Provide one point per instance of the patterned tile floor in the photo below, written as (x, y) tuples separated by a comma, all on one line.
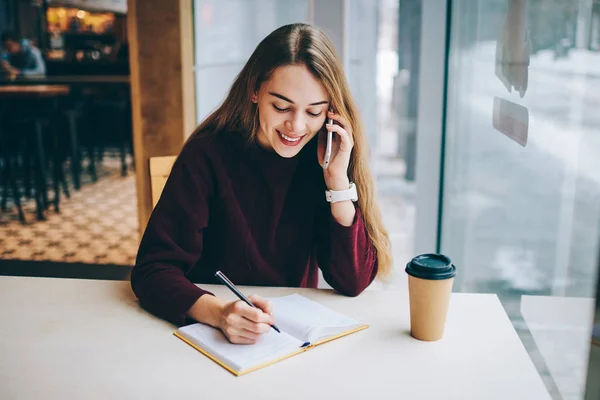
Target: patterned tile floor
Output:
[(96, 225)]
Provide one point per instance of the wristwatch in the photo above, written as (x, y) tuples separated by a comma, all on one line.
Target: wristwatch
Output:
[(334, 196)]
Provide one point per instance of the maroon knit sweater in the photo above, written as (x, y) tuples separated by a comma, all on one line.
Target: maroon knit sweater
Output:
[(261, 219)]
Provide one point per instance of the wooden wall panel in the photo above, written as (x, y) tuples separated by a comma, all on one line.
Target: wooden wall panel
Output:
[(162, 85)]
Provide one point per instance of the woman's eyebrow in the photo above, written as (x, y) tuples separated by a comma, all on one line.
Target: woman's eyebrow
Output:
[(282, 97)]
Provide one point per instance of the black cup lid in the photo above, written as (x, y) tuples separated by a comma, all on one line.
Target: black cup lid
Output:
[(431, 266)]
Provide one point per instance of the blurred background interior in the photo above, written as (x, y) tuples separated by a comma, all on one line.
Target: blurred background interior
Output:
[(482, 119)]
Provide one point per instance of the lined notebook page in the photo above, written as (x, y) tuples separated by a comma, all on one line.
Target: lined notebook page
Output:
[(269, 347), (307, 320)]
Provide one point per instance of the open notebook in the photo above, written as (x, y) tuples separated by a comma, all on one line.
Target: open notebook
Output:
[(303, 324)]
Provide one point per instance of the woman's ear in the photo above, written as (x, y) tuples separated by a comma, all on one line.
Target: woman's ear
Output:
[(254, 98)]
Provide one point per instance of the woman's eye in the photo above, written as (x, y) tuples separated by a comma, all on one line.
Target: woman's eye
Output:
[(314, 115), (280, 109)]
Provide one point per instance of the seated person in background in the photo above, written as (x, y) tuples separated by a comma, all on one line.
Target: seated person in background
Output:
[(20, 57), (247, 194)]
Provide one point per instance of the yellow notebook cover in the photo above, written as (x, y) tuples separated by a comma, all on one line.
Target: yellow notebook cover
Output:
[(304, 324)]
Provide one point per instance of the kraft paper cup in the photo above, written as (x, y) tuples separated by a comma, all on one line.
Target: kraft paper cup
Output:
[(430, 280)]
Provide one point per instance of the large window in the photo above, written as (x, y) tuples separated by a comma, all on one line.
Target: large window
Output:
[(521, 199)]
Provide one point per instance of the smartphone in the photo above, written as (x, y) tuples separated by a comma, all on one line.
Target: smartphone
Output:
[(328, 146)]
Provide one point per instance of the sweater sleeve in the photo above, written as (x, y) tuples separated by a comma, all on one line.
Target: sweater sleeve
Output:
[(345, 255), (172, 242)]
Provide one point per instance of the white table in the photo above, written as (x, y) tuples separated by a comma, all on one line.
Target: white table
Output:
[(63, 338), (561, 328)]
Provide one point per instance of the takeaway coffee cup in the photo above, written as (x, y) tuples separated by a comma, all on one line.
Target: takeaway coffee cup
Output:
[(430, 280)]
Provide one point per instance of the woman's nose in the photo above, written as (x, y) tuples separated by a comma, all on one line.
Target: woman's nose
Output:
[(296, 123)]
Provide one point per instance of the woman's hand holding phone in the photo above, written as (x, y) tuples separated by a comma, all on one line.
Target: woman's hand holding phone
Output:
[(336, 170)]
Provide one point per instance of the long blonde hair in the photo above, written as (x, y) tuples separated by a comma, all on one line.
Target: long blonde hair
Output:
[(303, 44)]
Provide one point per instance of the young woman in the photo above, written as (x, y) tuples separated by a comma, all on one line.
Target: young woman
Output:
[(247, 194)]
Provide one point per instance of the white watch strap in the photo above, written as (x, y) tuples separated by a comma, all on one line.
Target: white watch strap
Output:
[(334, 196)]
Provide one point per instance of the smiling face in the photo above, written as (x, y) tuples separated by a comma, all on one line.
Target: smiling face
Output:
[(292, 108)]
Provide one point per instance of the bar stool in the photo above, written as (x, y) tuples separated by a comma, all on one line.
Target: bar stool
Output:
[(38, 102), (8, 166)]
